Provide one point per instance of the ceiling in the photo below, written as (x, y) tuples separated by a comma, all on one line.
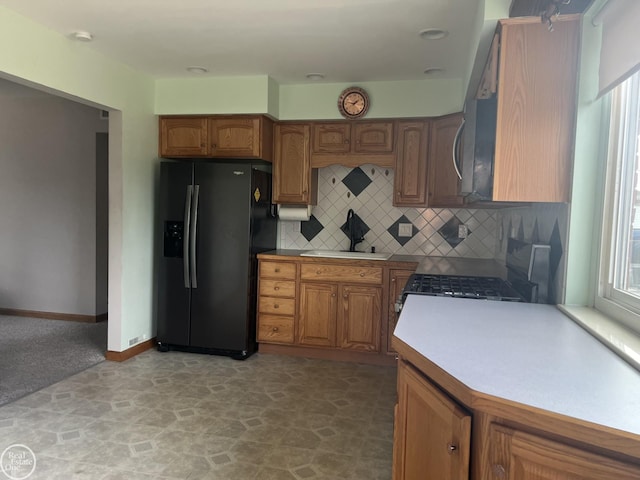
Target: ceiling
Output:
[(346, 40)]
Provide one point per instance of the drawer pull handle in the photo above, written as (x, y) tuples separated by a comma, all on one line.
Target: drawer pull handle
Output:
[(275, 329), (318, 272), (276, 288), (362, 274), (276, 306), (451, 448)]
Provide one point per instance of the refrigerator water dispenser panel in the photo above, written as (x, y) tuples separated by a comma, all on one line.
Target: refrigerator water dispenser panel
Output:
[(173, 246)]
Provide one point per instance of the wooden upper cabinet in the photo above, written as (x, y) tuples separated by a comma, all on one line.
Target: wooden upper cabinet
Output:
[(352, 143), (331, 138), (293, 180), (536, 103), (373, 137), (444, 183), (410, 182), (516, 455), (432, 437), (184, 137), (216, 137)]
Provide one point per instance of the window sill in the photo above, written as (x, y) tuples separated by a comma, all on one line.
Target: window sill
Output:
[(623, 341)]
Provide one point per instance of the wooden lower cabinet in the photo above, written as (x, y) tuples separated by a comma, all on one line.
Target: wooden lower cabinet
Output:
[(317, 314), (433, 440), (353, 323), (516, 455), (359, 318), (432, 437), (397, 281)]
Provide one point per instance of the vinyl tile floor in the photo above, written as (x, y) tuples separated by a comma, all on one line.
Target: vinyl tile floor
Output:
[(188, 416)]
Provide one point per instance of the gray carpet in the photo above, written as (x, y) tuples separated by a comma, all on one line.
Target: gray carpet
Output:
[(35, 353)]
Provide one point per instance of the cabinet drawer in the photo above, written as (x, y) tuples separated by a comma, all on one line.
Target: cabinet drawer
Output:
[(341, 273), (280, 306), (283, 270), (275, 329), (277, 288)]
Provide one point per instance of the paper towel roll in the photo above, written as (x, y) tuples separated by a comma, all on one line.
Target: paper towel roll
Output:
[(294, 213)]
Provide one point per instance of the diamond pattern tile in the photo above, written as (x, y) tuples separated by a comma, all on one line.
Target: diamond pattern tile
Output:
[(356, 181), (373, 205)]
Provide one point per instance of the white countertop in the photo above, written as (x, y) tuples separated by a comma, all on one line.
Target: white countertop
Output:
[(526, 353)]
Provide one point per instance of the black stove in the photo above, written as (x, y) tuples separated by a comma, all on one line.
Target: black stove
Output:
[(480, 288)]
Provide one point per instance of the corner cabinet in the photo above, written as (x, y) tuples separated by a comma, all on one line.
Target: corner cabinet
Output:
[(410, 180), (536, 104), (294, 182), (432, 436), (216, 137)]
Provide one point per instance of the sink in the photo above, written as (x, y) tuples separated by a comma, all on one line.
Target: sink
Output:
[(351, 255)]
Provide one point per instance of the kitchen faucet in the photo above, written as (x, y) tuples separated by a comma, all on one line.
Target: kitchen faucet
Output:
[(353, 241)]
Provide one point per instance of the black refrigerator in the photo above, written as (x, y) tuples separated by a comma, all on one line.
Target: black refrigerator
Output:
[(215, 218)]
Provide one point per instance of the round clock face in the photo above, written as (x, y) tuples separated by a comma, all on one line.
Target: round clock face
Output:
[(353, 102)]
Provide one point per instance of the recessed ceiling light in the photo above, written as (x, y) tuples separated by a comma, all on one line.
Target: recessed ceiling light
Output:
[(82, 36), (433, 34), (196, 69), (315, 76), (433, 70)]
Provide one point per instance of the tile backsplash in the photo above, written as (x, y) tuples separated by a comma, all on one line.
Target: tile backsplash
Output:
[(368, 190)]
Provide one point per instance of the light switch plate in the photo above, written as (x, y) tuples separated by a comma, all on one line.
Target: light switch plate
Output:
[(405, 229)]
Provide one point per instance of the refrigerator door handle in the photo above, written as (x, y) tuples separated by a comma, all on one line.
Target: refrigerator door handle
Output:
[(192, 235), (185, 240)]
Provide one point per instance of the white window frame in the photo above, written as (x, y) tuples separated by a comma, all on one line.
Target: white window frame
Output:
[(615, 303)]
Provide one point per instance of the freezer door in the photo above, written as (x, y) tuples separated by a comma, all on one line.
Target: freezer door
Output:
[(173, 272), (219, 303)]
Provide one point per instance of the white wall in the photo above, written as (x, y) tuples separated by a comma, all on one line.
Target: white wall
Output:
[(47, 202)]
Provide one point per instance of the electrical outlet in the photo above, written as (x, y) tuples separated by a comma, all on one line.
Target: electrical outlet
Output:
[(462, 231), (405, 229)]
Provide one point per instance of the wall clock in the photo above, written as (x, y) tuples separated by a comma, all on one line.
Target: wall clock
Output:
[(353, 102)]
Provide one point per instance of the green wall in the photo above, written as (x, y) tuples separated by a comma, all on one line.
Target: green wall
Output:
[(585, 224), (36, 56)]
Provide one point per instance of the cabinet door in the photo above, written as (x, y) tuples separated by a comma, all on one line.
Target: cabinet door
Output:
[(183, 137), (410, 182), (536, 111), (317, 317), (359, 320), (397, 281), (444, 183), (432, 433), (520, 456), (331, 138), (235, 137), (373, 137), (291, 165)]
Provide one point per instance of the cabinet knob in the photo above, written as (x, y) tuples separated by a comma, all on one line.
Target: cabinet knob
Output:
[(499, 471), (362, 274), (276, 305), (274, 329), (345, 295), (202, 145), (213, 145), (346, 140), (451, 448), (277, 270), (276, 288), (333, 295), (304, 192), (318, 272), (393, 279)]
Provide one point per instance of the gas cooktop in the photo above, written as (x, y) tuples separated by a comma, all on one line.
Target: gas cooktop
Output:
[(480, 288)]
